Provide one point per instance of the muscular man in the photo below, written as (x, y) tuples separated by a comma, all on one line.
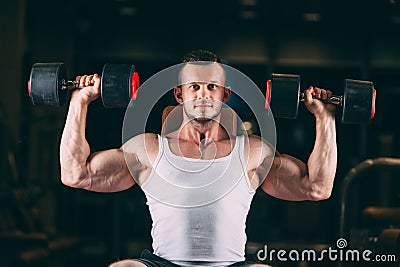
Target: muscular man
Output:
[(212, 234)]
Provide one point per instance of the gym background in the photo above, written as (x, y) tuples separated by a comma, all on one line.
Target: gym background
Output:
[(43, 223)]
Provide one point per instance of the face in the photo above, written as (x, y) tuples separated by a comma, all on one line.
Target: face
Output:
[(202, 92)]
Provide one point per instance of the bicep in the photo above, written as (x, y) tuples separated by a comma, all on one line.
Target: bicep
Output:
[(108, 170)]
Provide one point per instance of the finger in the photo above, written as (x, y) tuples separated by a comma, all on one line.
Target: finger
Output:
[(82, 80), (96, 79), (78, 78), (308, 94), (328, 93), (324, 94), (89, 80), (317, 92)]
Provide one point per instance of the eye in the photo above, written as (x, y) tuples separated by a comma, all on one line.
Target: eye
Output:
[(212, 86), (194, 86)]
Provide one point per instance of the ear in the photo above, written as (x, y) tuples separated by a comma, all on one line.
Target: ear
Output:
[(178, 94), (227, 94)]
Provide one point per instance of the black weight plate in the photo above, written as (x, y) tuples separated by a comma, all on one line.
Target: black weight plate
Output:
[(116, 85), (45, 84), (284, 95), (357, 101)]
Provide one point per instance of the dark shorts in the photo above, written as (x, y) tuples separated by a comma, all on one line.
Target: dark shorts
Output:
[(151, 260)]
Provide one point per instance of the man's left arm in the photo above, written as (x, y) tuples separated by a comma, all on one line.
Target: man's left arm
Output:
[(291, 179)]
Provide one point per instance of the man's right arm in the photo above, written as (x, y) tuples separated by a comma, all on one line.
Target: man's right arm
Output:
[(104, 171)]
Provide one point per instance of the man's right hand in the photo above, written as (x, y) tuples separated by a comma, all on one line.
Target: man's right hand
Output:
[(90, 90)]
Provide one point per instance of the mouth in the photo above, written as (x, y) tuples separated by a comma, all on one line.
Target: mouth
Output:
[(203, 106)]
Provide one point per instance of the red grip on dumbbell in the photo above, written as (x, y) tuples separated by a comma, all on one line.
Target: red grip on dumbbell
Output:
[(29, 87), (135, 83), (373, 105), (268, 95)]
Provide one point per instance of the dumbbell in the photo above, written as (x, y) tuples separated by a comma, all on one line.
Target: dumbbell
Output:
[(48, 84), (358, 101)]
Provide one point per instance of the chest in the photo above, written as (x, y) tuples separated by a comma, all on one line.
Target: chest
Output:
[(207, 151)]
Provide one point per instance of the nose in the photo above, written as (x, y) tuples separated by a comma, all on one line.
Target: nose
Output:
[(203, 92)]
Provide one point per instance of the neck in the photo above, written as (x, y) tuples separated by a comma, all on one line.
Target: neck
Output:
[(202, 133)]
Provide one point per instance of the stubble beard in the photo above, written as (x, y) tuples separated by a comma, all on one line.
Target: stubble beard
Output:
[(202, 122)]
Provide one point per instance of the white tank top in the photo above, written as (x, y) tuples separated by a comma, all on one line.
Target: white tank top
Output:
[(199, 207)]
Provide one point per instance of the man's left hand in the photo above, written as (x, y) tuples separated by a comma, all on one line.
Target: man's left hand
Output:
[(314, 98)]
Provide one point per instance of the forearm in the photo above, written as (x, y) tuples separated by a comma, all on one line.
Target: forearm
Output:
[(74, 149), (323, 159)]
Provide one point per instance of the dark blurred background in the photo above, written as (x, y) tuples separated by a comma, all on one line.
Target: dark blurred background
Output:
[(44, 223)]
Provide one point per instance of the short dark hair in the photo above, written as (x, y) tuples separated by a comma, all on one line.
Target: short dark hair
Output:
[(200, 55)]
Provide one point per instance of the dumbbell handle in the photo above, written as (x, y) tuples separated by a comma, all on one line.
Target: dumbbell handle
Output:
[(334, 99), (70, 85)]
